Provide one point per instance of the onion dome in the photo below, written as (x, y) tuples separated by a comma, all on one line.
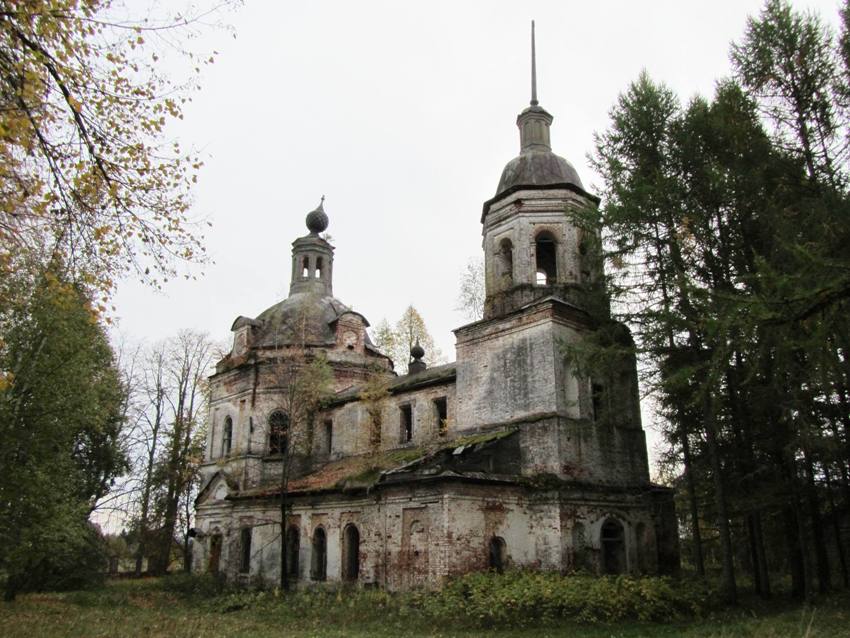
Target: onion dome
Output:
[(317, 220), (417, 365)]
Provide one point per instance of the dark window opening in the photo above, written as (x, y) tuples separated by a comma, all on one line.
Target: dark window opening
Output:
[(406, 423), (227, 438), (305, 267), (278, 432), (596, 395), (293, 547), (215, 554), (329, 436), (613, 547), (245, 562), (350, 553), (547, 269), (442, 408), (497, 554), (505, 261), (319, 557), (318, 267)]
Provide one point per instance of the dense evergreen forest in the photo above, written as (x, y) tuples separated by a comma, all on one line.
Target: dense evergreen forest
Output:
[(726, 240)]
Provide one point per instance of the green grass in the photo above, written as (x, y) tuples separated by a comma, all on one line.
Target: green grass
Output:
[(156, 609)]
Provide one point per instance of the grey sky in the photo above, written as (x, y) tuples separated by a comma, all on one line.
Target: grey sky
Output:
[(402, 114)]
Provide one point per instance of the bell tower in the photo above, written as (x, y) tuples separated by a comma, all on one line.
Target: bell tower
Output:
[(531, 248), (512, 366)]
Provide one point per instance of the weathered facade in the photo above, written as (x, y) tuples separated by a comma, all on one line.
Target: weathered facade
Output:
[(508, 457)]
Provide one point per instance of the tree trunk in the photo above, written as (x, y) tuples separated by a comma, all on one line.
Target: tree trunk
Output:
[(836, 530), (764, 572), (822, 561), (795, 553), (696, 535), (728, 585)]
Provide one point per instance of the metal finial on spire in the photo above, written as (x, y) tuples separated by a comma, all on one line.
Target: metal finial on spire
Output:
[(533, 69), (323, 200)]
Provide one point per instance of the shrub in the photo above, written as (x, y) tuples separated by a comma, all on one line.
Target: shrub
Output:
[(520, 598), (195, 585), (61, 559)]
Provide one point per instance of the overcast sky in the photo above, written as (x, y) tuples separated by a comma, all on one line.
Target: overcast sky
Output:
[(403, 115)]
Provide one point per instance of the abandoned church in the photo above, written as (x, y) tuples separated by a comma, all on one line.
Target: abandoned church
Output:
[(510, 457)]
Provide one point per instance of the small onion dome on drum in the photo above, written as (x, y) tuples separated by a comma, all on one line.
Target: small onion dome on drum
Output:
[(317, 220), (417, 351), (417, 365)]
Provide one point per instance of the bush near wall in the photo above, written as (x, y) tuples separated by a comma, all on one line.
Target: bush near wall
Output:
[(522, 598), (513, 599)]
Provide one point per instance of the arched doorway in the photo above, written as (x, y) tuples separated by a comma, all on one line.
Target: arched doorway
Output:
[(613, 542), (319, 555), (497, 554), (350, 553), (293, 546)]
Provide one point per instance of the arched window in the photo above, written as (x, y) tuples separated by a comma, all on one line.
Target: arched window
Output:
[(318, 267), (293, 547), (613, 542), (505, 262), (227, 437), (546, 262), (245, 553), (497, 554), (305, 267), (350, 553), (319, 555), (278, 432)]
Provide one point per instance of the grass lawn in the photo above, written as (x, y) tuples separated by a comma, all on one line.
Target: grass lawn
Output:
[(141, 608)]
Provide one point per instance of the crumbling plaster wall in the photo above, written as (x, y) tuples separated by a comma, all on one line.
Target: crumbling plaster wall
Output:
[(416, 536), (352, 422)]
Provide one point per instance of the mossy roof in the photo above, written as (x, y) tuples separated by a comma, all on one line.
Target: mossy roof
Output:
[(364, 471)]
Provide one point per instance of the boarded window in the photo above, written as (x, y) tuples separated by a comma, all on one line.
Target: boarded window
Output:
[(350, 553), (245, 554), (406, 423), (497, 554), (278, 432), (441, 408), (319, 555), (613, 547), (545, 251), (227, 437)]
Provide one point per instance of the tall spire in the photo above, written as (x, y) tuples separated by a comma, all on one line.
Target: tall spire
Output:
[(534, 121), (533, 69)]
